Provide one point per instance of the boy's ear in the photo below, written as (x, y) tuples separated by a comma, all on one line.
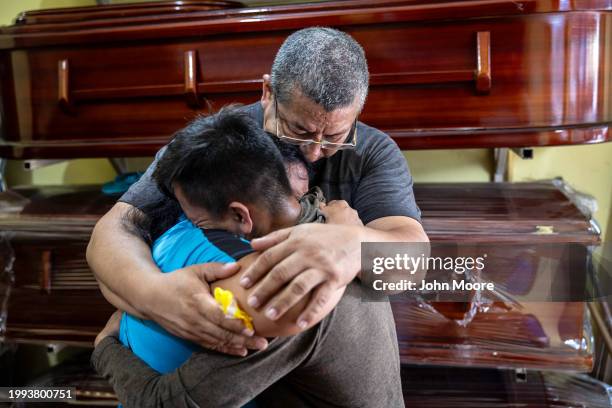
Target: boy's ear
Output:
[(241, 216)]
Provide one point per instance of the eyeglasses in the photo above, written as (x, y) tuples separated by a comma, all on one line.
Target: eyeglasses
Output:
[(323, 143)]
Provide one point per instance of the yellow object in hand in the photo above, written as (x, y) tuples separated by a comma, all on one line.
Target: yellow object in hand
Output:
[(225, 299)]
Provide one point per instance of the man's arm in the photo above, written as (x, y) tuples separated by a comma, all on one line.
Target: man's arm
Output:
[(116, 301), (135, 383), (317, 257), (112, 249), (179, 301)]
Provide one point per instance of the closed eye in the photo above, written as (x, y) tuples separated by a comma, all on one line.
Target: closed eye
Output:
[(301, 132)]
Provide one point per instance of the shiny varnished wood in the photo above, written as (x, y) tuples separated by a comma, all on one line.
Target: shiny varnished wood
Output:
[(544, 335), (445, 387), (443, 74), (118, 81), (535, 334), (504, 212), (55, 297), (121, 11)]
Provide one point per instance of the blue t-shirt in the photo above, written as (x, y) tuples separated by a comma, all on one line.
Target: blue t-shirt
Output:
[(182, 245)]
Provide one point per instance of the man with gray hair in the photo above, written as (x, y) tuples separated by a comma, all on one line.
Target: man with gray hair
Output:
[(313, 97), (327, 66)]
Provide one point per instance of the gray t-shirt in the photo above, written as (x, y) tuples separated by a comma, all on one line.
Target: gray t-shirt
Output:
[(373, 178)]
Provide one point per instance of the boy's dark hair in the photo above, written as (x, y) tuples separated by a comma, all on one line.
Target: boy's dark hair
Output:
[(215, 160)]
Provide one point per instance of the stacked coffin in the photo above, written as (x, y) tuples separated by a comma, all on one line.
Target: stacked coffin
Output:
[(525, 228)]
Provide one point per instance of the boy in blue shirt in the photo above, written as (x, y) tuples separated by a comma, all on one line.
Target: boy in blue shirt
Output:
[(229, 183)]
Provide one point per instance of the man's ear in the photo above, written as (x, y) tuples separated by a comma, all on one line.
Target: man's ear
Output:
[(241, 216), (266, 91)]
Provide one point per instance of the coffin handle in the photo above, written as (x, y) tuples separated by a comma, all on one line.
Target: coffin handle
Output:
[(63, 87), (483, 68), (191, 79), (45, 277)]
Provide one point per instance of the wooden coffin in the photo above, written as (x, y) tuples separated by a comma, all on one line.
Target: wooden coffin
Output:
[(535, 334), (444, 387), (99, 81), (55, 296)]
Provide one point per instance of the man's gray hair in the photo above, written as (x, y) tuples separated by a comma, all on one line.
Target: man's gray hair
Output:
[(327, 65)]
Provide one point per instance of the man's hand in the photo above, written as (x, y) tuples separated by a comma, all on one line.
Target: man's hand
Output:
[(310, 257), (184, 306), (111, 328), (339, 212)]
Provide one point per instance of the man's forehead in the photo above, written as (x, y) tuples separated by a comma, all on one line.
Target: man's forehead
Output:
[(306, 113)]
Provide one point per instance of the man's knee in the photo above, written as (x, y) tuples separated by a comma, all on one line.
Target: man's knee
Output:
[(368, 324), (356, 360)]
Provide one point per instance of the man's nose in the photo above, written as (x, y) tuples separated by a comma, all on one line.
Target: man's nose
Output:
[(312, 152)]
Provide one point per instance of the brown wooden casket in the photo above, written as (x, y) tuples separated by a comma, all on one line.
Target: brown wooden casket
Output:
[(54, 296), (117, 81), (525, 227), (50, 227), (114, 82), (444, 387)]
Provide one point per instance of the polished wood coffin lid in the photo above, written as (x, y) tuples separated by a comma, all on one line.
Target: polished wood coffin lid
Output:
[(119, 12), (502, 212), (93, 82)]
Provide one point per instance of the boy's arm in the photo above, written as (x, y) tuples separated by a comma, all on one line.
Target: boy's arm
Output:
[(138, 385)]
